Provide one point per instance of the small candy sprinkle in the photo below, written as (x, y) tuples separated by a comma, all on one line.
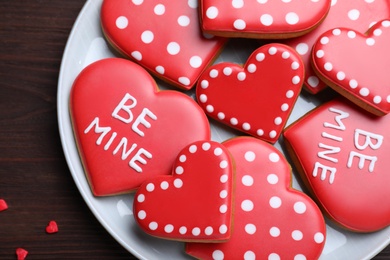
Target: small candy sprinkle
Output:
[(52, 227), (21, 253), (3, 205)]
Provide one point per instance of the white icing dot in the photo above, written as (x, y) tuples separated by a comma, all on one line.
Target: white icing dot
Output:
[(141, 198), (377, 32), (274, 256), (182, 230), (290, 94), (351, 34), (153, 225), (164, 185), (241, 76), (284, 107), (159, 9), (150, 187), (137, 2), (136, 55), (319, 237), (121, 22), (292, 18), (250, 229), (272, 51), (274, 232), (388, 99), (370, 41), (183, 158), (297, 235), (196, 61), (168, 228), (299, 257), (212, 12), (272, 134), (223, 209), (246, 126), (227, 71), (221, 115), (328, 66), (208, 231), (336, 32), (353, 83), (223, 164), (340, 75), (278, 121), (377, 99), (203, 98), (286, 55), (193, 148), (141, 214), (385, 23), (247, 180), (364, 92), (249, 255), (296, 80), (353, 14), (266, 19), (223, 194), (204, 84), (196, 231), (324, 40), (223, 229), (206, 146), (260, 132), (218, 255), (173, 48), (147, 37), (295, 65), (274, 157), (178, 183), (252, 68), (272, 178), (238, 3), (234, 121), (260, 57), (183, 20), (239, 24), (213, 73), (179, 170), (320, 54), (302, 48), (247, 205), (224, 178), (160, 69), (185, 81), (193, 4), (299, 207), (313, 81), (250, 156), (275, 202), (218, 151)]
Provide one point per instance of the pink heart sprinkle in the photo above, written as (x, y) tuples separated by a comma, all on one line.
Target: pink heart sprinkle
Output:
[(3, 205), (21, 253), (52, 227)]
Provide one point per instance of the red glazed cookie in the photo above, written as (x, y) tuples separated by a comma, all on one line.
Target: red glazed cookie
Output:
[(163, 36), (271, 219), (256, 99), (195, 203), (356, 15), (126, 129), (342, 153), (262, 19), (357, 65)]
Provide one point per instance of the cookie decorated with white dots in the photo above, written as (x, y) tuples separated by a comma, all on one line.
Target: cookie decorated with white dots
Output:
[(357, 65), (262, 19), (354, 14), (195, 203), (128, 131), (271, 219), (163, 36), (256, 98), (342, 153)]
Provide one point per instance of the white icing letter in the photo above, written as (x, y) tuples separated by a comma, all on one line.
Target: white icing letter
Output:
[(329, 150), (98, 130), (141, 120), (333, 137), (368, 140), (362, 158), (112, 138), (126, 108), (324, 169), (123, 143), (138, 158), (342, 115)]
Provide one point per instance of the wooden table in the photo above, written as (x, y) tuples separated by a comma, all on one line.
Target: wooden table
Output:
[(34, 177)]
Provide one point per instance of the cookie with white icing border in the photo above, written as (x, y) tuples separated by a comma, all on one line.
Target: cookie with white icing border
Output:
[(271, 219), (262, 19), (195, 203), (356, 15), (256, 98), (356, 65), (128, 131), (163, 36), (342, 153)]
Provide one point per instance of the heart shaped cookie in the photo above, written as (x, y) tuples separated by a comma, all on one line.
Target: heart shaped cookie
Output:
[(257, 98), (342, 153), (356, 65), (128, 131), (262, 19), (195, 203), (271, 219), (163, 36), (356, 15)]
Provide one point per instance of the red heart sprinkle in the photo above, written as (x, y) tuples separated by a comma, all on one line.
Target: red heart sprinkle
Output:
[(21, 253), (3, 205), (52, 227)]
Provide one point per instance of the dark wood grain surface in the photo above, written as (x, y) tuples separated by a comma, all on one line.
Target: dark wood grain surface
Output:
[(34, 178)]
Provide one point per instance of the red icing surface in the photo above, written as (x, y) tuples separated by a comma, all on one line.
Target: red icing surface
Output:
[(272, 220), (163, 36), (344, 153), (357, 64), (262, 19), (257, 98), (195, 203), (140, 131), (354, 14)]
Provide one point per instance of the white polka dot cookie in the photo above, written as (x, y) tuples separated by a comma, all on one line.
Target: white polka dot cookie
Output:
[(357, 65), (354, 14), (342, 154), (163, 36), (262, 19), (128, 131), (271, 219), (257, 98), (195, 203)]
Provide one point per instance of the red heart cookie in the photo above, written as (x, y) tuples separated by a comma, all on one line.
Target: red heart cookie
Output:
[(262, 19), (271, 219), (195, 203), (356, 15), (342, 153), (357, 65), (257, 98), (52, 227), (163, 36), (126, 130)]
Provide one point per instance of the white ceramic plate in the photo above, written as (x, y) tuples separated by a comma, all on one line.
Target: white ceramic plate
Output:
[(87, 44)]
